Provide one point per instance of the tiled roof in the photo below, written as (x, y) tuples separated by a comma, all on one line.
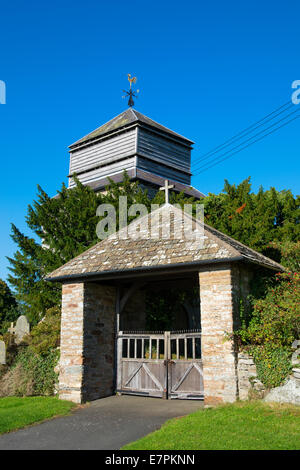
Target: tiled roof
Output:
[(123, 120), (117, 253)]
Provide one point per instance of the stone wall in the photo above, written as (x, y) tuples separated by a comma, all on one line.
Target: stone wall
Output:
[(218, 290), (87, 342), (248, 384)]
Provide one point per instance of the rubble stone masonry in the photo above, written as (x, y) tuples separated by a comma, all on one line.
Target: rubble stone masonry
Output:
[(219, 289), (87, 342)]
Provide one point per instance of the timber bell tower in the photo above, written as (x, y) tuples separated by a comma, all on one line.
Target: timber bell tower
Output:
[(148, 151)]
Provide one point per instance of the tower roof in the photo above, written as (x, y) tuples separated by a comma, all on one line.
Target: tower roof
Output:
[(126, 119)]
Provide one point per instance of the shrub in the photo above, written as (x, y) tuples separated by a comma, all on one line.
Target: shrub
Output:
[(272, 365), (16, 382), (274, 325), (39, 371), (276, 318), (30, 365), (46, 334)]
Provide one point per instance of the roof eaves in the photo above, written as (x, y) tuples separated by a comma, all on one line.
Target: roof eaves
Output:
[(142, 269)]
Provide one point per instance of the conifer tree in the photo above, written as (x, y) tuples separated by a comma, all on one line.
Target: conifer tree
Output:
[(63, 227), (8, 307), (255, 219)]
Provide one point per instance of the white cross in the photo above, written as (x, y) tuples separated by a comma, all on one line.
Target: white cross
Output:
[(166, 188)]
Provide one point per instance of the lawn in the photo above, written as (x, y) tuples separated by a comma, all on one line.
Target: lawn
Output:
[(240, 426), (17, 412)]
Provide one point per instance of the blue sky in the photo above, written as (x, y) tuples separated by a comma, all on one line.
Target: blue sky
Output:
[(205, 69)]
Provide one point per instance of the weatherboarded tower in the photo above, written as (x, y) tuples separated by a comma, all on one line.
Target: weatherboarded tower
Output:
[(148, 151)]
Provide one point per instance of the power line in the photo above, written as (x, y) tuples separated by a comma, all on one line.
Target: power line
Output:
[(245, 134), (248, 145), (250, 138), (240, 135)]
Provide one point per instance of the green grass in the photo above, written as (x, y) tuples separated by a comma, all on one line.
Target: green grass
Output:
[(240, 426), (17, 412)]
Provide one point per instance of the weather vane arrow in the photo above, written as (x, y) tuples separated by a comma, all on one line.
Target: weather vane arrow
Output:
[(131, 94)]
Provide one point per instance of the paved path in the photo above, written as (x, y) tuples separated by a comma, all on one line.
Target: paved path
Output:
[(107, 424)]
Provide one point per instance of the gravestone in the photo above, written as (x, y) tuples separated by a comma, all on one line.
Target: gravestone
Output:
[(21, 329), (2, 353)]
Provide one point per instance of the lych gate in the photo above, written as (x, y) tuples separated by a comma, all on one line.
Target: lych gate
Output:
[(105, 346), (166, 363)]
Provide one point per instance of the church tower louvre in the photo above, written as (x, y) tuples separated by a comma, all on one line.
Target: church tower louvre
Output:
[(148, 151)]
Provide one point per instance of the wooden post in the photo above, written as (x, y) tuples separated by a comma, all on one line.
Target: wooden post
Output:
[(119, 360), (118, 344), (166, 361)]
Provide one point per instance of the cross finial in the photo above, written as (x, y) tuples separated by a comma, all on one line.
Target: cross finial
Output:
[(166, 188)]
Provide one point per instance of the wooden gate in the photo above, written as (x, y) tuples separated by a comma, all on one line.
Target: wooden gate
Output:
[(160, 364), (141, 364), (185, 376)]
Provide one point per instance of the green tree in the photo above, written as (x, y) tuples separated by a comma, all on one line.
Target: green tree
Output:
[(8, 307), (255, 219), (63, 227)]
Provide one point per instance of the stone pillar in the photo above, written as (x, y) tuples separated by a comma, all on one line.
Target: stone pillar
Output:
[(87, 342), (99, 341), (71, 343), (218, 290)]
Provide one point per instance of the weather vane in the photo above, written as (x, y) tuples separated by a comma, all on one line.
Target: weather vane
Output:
[(131, 93)]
